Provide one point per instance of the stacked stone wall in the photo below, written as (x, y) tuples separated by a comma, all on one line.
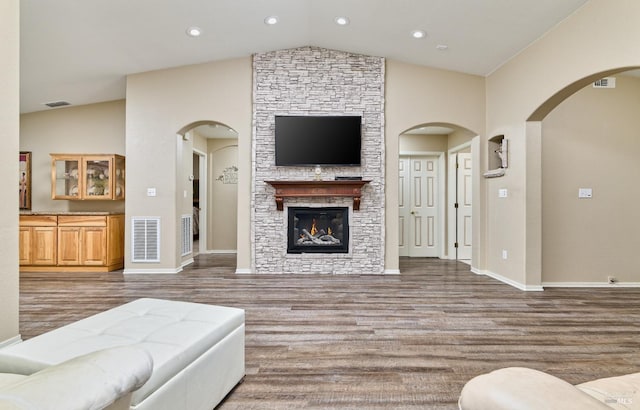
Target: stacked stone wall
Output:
[(316, 81)]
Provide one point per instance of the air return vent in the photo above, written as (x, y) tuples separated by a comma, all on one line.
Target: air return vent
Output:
[(187, 235), (607, 82), (145, 241), (56, 104)]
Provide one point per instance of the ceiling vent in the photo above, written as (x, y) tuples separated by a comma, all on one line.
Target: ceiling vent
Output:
[(607, 82), (56, 104)]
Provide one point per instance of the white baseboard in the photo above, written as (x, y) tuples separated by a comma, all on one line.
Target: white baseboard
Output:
[(591, 285), (529, 288), (391, 272), (510, 282), (477, 271), (14, 340), (186, 263), (244, 271), (221, 251), (166, 271)]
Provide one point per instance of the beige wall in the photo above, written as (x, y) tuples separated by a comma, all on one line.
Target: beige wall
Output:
[(9, 131), (423, 143), (223, 198), (418, 95), (159, 104), (460, 137), (565, 55), (592, 140), (199, 142), (91, 129), (435, 143)]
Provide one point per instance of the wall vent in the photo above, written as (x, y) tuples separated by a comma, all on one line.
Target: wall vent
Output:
[(187, 234), (145, 241), (607, 82), (56, 104)]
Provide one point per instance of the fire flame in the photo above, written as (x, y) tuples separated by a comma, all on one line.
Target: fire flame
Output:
[(329, 230), (314, 229)]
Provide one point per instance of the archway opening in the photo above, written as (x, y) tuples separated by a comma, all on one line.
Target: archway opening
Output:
[(210, 164), (435, 191), (583, 145)]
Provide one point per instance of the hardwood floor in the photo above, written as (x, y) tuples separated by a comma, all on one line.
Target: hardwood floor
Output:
[(406, 341)]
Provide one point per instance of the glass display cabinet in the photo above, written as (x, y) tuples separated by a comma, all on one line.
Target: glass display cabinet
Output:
[(65, 175), (87, 177)]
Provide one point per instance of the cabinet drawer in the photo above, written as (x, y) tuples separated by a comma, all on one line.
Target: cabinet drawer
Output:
[(82, 220), (38, 220)]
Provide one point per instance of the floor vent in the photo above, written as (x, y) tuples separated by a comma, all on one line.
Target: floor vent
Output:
[(145, 241), (187, 235), (607, 82)]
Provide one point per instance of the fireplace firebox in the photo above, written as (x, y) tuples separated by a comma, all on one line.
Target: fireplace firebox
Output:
[(318, 230)]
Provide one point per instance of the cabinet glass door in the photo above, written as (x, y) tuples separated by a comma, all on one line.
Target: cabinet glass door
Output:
[(97, 183), (66, 183), (118, 192)]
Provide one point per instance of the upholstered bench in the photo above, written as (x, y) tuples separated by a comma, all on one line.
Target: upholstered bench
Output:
[(197, 350)]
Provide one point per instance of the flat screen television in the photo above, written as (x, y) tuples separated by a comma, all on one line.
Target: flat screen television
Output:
[(318, 140)]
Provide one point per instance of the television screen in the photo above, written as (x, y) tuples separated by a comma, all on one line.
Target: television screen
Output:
[(318, 140)]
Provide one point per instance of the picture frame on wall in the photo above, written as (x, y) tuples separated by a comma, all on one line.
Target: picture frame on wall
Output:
[(24, 180)]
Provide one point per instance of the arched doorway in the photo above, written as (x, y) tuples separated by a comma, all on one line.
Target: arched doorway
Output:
[(435, 177), (210, 157), (583, 143)]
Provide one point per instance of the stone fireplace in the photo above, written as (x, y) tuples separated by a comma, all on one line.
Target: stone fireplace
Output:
[(317, 81), (318, 230)]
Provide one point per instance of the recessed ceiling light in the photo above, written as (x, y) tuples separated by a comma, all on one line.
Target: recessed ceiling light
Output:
[(418, 34), (341, 21), (271, 20), (194, 31), (442, 47)]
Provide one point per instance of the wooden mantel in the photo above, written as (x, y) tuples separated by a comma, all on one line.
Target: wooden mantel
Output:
[(298, 189)]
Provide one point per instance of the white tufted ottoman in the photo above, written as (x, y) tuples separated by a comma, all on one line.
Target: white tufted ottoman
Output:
[(197, 350)]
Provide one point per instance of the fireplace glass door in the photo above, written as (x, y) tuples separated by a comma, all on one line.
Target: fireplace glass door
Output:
[(318, 230)]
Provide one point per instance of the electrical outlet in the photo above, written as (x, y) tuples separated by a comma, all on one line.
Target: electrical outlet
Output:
[(504, 254), (612, 280)]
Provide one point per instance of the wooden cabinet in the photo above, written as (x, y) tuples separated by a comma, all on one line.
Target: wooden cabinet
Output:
[(38, 239), (75, 243), (87, 177), (82, 246)]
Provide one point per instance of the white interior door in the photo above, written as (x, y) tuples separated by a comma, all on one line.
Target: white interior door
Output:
[(464, 205), (404, 200), (418, 223)]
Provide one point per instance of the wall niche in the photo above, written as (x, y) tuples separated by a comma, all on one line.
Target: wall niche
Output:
[(498, 151)]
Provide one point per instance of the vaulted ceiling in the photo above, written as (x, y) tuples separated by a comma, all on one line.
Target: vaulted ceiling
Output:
[(81, 51)]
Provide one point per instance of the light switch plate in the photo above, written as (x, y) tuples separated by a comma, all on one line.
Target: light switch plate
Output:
[(503, 193), (151, 192)]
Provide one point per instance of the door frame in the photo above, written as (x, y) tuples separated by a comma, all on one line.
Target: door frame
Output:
[(451, 198), (441, 193), (204, 210)]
